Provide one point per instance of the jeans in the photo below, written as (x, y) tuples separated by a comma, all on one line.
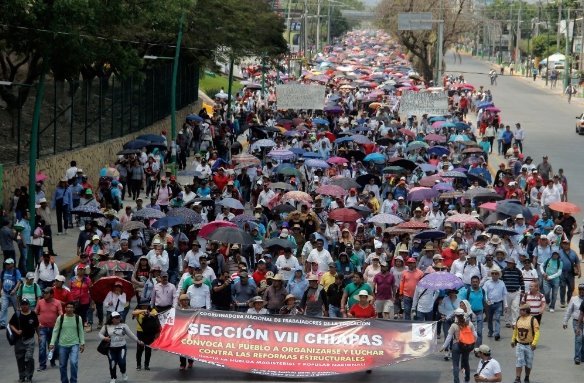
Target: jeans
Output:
[(495, 311), (407, 305), (98, 310), (24, 352), (69, 355), (578, 349), (566, 286), (424, 316), (479, 326), (550, 290), (7, 301), (117, 357), (335, 312), (45, 334), (460, 359)]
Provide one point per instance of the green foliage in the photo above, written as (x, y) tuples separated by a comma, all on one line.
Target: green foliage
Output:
[(212, 85), (544, 45)]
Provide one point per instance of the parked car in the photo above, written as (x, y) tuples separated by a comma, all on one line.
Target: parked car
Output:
[(580, 124)]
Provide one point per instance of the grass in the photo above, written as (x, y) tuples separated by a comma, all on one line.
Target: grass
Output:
[(212, 85)]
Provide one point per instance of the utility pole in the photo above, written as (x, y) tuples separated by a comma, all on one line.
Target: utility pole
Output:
[(305, 25), (568, 63), (318, 26), (559, 26), (230, 86), (328, 28), (173, 92), (517, 49)]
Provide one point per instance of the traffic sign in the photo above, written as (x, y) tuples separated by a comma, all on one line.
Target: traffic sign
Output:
[(414, 21)]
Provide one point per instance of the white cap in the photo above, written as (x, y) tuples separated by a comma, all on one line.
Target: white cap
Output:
[(519, 216), (116, 314)]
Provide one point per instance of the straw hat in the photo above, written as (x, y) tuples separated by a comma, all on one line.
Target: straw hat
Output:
[(255, 300)]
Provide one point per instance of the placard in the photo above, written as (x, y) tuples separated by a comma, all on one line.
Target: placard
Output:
[(300, 96), (419, 103)]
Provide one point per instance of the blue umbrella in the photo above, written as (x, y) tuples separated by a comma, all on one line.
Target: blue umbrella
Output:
[(375, 157), (320, 121), (194, 117), (448, 125), (136, 144), (151, 138), (461, 126), (314, 163), (166, 222), (282, 166), (231, 203), (298, 151), (360, 129), (436, 118), (428, 168), (343, 139), (485, 104), (458, 138), (361, 139), (335, 97), (311, 155), (438, 150)]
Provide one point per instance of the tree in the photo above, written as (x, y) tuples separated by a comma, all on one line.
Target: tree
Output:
[(422, 45)]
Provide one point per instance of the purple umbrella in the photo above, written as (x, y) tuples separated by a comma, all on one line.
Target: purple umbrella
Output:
[(462, 170), (314, 163), (281, 154), (333, 109), (443, 187), (440, 280), (360, 139), (422, 193)]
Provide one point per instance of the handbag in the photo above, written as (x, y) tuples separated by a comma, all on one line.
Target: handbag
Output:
[(10, 335), (103, 346), (40, 241)]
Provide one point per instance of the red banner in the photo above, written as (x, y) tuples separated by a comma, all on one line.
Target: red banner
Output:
[(292, 346)]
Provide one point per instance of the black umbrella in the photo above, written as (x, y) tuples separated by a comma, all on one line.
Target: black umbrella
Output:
[(430, 235), (364, 179), (203, 201), (475, 177), (128, 151), (352, 153), (406, 164), (363, 210), (158, 145), (136, 144), (231, 235), (151, 138), (487, 197), (278, 242), (385, 141), (493, 218), (512, 208), (501, 231), (345, 182), (283, 208), (472, 193)]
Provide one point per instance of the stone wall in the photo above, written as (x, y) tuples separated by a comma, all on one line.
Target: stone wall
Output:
[(91, 159)]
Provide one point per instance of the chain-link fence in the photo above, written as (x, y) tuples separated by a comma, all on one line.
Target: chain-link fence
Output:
[(82, 113)]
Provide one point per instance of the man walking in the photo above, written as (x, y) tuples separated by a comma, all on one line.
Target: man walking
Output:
[(573, 312), (513, 279), (68, 334), (496, 300), (48, 310), (570, 271), (24, 326), (525, 338), (10, 279)]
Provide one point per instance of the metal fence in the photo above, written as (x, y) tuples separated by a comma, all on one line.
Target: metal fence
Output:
[(82, 113)]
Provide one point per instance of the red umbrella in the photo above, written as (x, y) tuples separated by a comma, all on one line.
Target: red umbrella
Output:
[(330, 136), (412, 225), (435, 137), (332, 190), (564, 207), (430, 180), (344, 215), (210, 227), (407, 132), (104, 285)]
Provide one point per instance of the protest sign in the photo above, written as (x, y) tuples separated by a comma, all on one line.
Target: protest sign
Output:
[(300, 96), (293, 346), (419, 103)]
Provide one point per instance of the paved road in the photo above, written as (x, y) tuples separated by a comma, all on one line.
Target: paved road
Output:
[(549, 122)]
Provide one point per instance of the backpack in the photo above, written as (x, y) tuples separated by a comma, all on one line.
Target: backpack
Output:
[(546, 263), (480, 269), (466, 339), (61, 319), (468, 290), (150, 327), (36, 289)]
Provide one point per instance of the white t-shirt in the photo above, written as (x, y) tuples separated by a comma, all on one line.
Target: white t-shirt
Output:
[(322, 257), (490, 369)]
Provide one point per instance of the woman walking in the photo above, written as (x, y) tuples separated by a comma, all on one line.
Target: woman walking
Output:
[(461, 340), (114, 332)]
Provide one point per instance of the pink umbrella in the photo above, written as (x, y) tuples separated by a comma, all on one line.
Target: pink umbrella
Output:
[(210, 227), (40, 177), (337, 160), (297, 196), (489, 206), (493, 109), (463, 218), (438, 124), (435, 137), (332, 190)]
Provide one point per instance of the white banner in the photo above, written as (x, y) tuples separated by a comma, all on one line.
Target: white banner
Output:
[(300, 96), (417, 104)]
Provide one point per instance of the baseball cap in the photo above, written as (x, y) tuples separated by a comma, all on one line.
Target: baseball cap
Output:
[(30, 275), (9, 261), (411, 260), (95, 237), (116, 314), (60, 278), (437, 257), (483, 348), (24, 301)]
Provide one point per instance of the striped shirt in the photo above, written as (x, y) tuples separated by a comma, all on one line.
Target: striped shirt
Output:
[(535, 302), (513, 280), (528, 277)]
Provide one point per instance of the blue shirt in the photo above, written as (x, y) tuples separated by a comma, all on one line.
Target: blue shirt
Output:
[(10, 279), (568, 259), (496, 291), (475, 298)]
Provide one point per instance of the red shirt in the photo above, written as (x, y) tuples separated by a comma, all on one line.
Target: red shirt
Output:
[(449, 256), (362, 312), (62, 295), (48, 312), (220, 181), (258, 276)]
